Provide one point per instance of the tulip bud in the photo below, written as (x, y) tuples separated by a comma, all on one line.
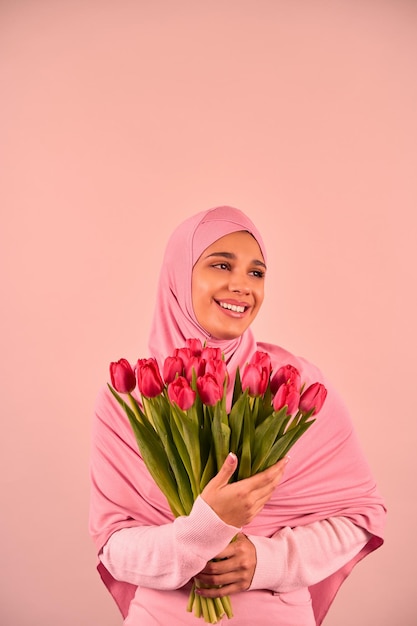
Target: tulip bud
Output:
[(194, 346), (262, 359), (217, 369), (285, 374), (313, 398), (255, 379), (173, 365), (149, 378), (180, 392), (209, 389), (211, 354), (183, 353), (287, 395), (194, 363), (122, 376)]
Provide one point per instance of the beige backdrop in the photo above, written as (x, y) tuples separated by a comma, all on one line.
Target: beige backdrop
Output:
[(118, 119)]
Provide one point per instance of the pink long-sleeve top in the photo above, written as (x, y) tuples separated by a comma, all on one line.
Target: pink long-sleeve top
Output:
[(166, 557)]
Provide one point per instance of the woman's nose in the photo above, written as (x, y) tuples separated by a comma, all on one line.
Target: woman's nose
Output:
[(239, 283)]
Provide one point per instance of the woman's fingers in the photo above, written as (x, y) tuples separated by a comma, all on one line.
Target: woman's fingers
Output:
[(238, 503), (226, 471), (231, 574)]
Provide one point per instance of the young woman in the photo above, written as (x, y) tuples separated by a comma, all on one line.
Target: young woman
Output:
[(301, 525)]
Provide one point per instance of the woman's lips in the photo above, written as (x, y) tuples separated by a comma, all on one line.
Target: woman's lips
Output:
[(236, 309)]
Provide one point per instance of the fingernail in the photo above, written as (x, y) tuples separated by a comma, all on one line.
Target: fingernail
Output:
[(287, 459), (231, 458)]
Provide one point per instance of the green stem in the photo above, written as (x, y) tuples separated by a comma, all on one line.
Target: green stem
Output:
[(135, 408), (220, 610), (227, 605), (198, 611), (211, 607), (191, 599), (205, 610)]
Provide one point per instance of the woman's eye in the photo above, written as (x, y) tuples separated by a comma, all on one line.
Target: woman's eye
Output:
[(221, 266), (258, 273)]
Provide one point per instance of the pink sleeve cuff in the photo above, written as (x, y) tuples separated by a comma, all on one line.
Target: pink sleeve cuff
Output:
[(203, 532)]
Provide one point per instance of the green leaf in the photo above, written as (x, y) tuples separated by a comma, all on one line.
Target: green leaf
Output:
[(236, 421), (188, 482), (157, 462), (237, 388), (265, 406), (284, 422), (245, 460), (159, 454), (188, 425), (152, 409), (221, 436), (209, 469), (265, 436), (301, 429), (126, 407), (204, 435), (282, 446)]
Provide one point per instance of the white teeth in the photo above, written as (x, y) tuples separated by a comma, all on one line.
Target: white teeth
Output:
[(232, 307)]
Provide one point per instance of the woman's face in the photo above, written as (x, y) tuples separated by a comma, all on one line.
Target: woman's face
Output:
[(228, 285)]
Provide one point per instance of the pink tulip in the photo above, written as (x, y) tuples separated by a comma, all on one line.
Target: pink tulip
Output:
[(218, 369), (209, 389), (313, 398), (285, 374), (287, 395), (122, 376), (255, 379), (149, 378), (173, 366), (194, 346), (180, 392)]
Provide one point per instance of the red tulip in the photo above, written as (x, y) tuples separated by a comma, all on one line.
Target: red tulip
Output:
[(211, 354), (173, 365), (287, 395), (194, 363), (149, 378), (195, 346), (122, 376), (262, 359), (183, 353), (218, 369), (313, 398), (180, 392), (285, 374), (255, 379), (209, 389)]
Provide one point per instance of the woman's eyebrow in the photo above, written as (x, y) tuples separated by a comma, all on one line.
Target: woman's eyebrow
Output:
[(232, 256)]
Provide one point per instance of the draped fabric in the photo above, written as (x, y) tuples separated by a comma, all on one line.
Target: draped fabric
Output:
[(327, 476)]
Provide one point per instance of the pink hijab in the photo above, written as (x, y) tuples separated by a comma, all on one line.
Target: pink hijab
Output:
[(174, 320), (327, 476)]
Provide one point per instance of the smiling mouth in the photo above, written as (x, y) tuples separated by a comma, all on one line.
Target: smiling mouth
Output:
[(236, 308)]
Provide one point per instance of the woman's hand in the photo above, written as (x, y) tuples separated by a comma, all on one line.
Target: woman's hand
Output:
[(238, 503), (233, 573)]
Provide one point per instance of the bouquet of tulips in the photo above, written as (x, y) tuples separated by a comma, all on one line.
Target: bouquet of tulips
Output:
[(184, 431)]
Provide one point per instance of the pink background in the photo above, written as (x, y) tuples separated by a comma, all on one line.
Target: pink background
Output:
[(120, 118)]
